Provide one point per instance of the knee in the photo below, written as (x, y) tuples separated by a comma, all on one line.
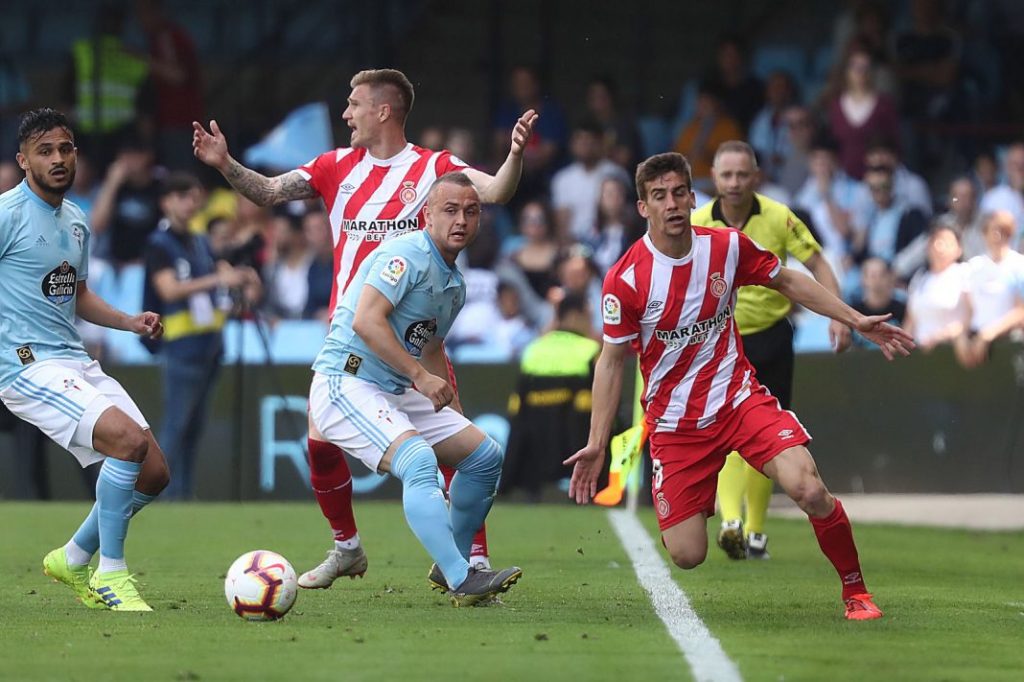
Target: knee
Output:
[(415, 464), (134, 445), (687, 558), (488, 458), (811, 496)]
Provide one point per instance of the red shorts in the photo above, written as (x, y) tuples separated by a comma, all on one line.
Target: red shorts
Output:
[(686, 465)]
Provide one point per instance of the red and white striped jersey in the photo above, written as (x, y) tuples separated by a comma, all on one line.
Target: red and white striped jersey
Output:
[(678, 315), (372, 200)]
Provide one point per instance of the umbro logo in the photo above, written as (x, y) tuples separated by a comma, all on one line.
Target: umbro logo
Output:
[(347, 188), (654, 305), (785, 434), (41, 241)]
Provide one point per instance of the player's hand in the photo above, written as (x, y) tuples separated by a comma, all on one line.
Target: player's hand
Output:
[(586, 468), (210, 148), (231, 277), (839, 335), (147, 324), (891, 339), (522, 131), (435, 388)]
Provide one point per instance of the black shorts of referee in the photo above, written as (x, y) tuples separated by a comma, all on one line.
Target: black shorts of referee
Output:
[(771, 353)]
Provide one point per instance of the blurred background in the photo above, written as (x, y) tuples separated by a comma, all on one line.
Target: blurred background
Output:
[(904, 113)]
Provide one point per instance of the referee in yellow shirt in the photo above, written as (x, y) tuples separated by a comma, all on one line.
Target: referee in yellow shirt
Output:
[(762, 318)]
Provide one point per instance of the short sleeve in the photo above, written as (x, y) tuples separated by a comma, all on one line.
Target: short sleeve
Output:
[(449, 163), (319, 172), (620, 315), (6, 231), (756, 265), (799, 240), (157, 257), (83, 272), (393, 273)]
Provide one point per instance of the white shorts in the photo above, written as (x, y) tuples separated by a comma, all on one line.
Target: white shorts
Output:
[(64, 399), (363, 419)]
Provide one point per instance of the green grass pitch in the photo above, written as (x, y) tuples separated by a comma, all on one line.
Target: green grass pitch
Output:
[(954, 604)]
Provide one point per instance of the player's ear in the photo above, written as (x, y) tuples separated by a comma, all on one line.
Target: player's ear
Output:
[(641, 208), (22, 161), (385, 112)]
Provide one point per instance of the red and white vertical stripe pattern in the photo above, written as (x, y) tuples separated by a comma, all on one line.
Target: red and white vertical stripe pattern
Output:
[(372, 200), (678, 313)]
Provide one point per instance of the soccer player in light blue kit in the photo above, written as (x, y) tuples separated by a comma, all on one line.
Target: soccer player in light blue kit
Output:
[(46, 377), (385, 339)]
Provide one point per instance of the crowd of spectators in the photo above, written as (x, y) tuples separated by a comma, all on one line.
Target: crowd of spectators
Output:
[(915, 220)]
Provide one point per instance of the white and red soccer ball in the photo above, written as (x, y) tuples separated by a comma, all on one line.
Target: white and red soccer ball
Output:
[(261, 585)]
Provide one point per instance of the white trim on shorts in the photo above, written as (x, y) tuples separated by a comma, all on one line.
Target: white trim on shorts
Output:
[(64, 399), (363, 419)]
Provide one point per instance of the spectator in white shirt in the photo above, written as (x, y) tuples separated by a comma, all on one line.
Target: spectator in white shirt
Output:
[(576, 188), (936, 309), (1008, 196)]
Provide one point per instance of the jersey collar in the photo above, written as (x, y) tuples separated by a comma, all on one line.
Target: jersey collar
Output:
[(664, 258), (717, 214), (38, 200), (436, 255), (387, 162)]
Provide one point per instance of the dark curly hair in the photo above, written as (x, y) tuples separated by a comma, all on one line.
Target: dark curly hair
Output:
[(40, 121)]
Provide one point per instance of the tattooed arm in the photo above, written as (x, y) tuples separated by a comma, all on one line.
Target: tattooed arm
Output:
[(212, 149)]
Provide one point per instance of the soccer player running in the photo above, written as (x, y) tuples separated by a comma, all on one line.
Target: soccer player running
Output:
[(47, 378), (374, 190), (385, 338), (762, 319), (672, 297)]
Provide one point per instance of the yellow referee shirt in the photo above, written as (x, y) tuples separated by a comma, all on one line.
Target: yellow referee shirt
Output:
[(776, 228)]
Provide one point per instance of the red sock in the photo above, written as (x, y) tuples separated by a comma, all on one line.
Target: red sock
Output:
[(479, 547), (332, 484), (835, 537)]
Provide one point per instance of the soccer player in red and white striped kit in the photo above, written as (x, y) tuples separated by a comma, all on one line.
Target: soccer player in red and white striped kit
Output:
[(671, 298), (374, 190)]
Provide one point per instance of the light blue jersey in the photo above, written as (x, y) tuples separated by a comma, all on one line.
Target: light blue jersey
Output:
[(427, 294), (44, 253)]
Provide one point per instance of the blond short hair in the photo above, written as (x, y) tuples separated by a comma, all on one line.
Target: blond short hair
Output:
[(389, 79)]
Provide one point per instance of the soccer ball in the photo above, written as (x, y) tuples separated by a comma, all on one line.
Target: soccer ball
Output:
[(261, 585)]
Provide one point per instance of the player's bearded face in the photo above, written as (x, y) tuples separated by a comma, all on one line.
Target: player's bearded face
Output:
[(50, 160), (667, 205)]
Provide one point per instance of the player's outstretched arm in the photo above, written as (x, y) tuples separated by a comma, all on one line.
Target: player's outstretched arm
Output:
[(801, 289), (212, 149), (92, 308), (500, 187), (607, 391)]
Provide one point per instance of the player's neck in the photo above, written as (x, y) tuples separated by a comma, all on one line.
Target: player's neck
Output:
[(387, 146), (54, 199), (673, 246), (737, 216)]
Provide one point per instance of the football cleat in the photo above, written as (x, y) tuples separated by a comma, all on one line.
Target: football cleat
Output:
[(55, 565), (860, 607), (436, 579), (757, 546), (730, 539), (339, 562), (482, 585), (118, 592)]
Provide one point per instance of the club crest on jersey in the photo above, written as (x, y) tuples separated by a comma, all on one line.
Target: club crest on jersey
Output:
[(76, 232), (718, 285), (407, 194), (611, 309), (393, 271), (59, 284)]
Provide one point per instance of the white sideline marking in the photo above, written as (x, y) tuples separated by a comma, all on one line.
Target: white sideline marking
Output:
[(702, 650)]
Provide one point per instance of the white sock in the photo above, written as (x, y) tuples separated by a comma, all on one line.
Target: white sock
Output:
[(349, 544), (479, 561), (76, 555), (108, 565)]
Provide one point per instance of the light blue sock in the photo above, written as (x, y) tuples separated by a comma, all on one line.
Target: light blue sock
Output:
[(415, 465), (114, 491), (87, 537), (472, 491)]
